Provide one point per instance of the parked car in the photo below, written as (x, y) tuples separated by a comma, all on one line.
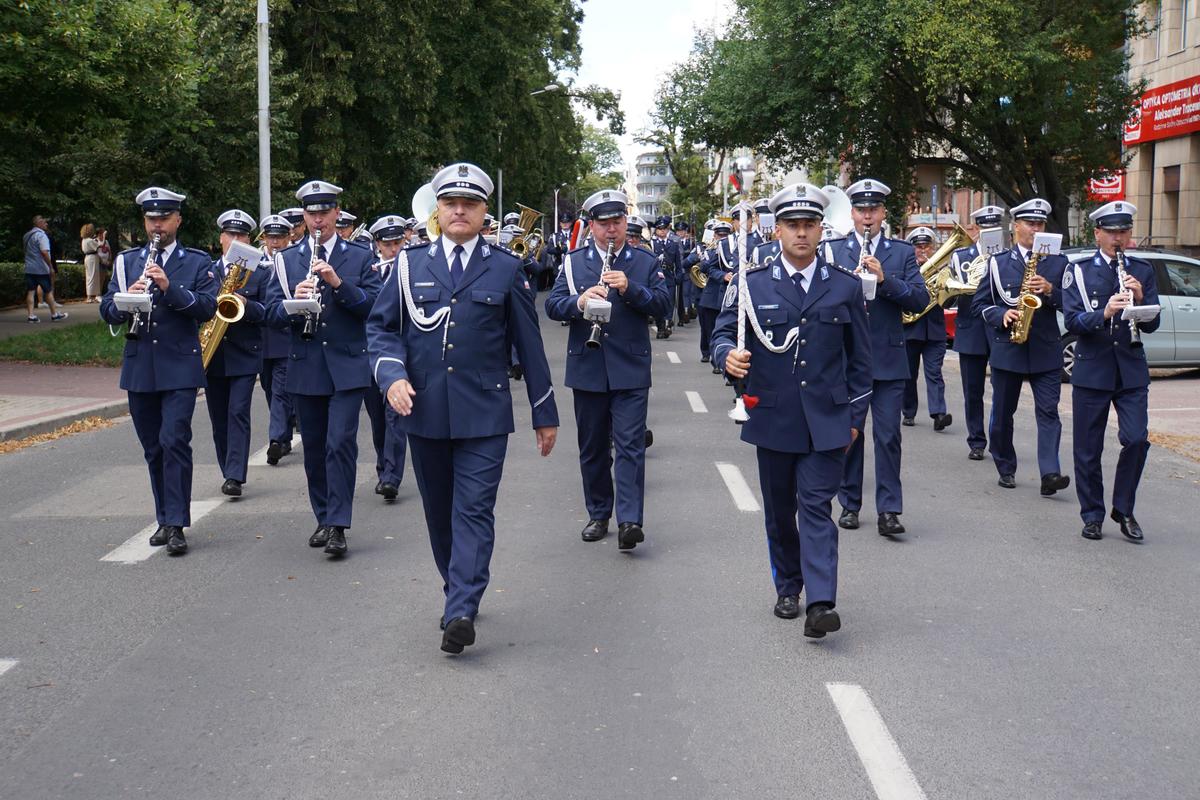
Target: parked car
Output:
[(1176, 343)]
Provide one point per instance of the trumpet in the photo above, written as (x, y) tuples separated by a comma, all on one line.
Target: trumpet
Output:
[(139, 319), (311, 317), (599, 311), (1135, 333)]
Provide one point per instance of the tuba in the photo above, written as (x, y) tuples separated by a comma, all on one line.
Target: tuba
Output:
[(941, 285), (529, 243), (424, 208)]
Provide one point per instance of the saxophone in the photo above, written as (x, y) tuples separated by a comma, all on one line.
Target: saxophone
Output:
[(1027, 302), (230, 309)]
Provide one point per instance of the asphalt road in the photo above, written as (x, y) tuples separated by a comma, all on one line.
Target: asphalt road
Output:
[(1006, 657)]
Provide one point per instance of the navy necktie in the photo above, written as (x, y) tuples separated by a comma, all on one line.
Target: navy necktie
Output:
[(322, 255), (158, 258), (456, 266), (798, 279)]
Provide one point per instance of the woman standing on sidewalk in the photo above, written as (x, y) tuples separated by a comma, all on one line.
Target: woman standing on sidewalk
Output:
[(94, 280)]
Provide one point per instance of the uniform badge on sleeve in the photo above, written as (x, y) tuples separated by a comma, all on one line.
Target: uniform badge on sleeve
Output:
[(730, 295), (1068, 279), (1095, 303)]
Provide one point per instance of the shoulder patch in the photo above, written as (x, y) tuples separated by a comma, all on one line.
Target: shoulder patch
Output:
[(844, 270), (131, 250), (1068, 279), (200, 252)]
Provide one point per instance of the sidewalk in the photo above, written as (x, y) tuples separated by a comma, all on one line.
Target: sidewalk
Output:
[(36, 398), (13, 321)]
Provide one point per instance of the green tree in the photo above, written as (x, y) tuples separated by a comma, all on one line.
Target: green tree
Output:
[(1021, 98), (599, 162)]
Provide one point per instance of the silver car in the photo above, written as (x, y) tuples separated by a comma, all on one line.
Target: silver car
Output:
[(1176, 343)]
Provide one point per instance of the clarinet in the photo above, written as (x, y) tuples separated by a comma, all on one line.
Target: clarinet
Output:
[(1135, 333), (593, 340), (138, 322), (310, 318)]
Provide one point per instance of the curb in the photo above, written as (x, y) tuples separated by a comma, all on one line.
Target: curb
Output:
[(108, 409)]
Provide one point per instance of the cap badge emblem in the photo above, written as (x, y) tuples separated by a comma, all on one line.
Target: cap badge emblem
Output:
[(867, 185), (462, 170), (316, 187), (154, 193), (604, 196)]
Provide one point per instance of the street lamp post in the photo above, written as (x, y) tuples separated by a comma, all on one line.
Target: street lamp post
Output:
[(264, 113)]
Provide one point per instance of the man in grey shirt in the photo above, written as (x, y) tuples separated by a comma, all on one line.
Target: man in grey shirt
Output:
[(37, 270)]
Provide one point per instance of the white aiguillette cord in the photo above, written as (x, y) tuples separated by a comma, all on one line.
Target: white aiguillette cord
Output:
[(424, 323)]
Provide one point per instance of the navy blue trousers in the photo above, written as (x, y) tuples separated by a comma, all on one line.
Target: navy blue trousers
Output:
[(1089, 410), (458, 480), (228, 401), (886, 400), (163, 421), (390, 444), (708, 321), (974, 377), (691, 293), (619, 417), (1006, 394), (798, 490), (933, 354), (329, 424), (274, 380)]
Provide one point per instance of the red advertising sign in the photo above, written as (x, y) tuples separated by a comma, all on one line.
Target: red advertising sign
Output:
[(1107, 188), (1165, 112)]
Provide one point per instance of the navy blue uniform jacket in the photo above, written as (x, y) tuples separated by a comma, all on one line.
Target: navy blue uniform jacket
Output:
[(1042, 351)]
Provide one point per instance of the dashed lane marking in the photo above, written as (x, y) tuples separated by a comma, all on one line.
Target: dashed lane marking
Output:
[(137, 548), (673, 357), (743, 498), (878, 751), (6, 664), (696, 402)]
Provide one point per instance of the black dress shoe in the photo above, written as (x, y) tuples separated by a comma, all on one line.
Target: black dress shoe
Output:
[(1007, 481), (629, 535), (889, 524), (704, 359), (320, 536), (787, 606), (662, 334), (595, 530), (389, 490), (820, 620), (1129, 526), (176, 543), (976, 454), (336, 545), (232, 488), (1091, 530), (942, 421), (458, 633), (649, 437), (379, 487), (274, 452), (159, 537), (287, 447), (1054, 481), (848, 520), (716, 370), (908, 422)]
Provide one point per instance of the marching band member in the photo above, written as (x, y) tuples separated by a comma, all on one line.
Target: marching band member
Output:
[(276, 345), (718, 264), (237, 361), (1038, 360), (807, 361), (689, 254), (386, 432), (439, 339), (345, 224), (925, 340), (1110, 368), (296, 217), (611, 383), (162, 367), (899, 288), (971, 340), (667, 250), (328, 371)]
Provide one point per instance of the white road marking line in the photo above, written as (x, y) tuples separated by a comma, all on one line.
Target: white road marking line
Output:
[(878, 751), (1165, 410), (696, 402), (137, 548), (259, 458), (6, 664), (673, 357), (743, 498)]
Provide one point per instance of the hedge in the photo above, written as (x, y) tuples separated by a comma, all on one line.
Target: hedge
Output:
[(69, 285)]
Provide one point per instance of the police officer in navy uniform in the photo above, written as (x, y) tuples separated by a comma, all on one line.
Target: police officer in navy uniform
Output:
[(329, 373), (899, 288), (807, 362), (611, 383), (666, 248), (295, 216), (440, 335), (237, 361), (276, 345), (1038, 360), (925, 341), (719, 264), (971, 340), (345, 224), (689, 255), (1110, 368), (162, 367), (387, 434)]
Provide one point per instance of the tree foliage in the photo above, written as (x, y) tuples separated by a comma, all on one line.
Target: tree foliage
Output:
[(100, 99), (1023, 98)]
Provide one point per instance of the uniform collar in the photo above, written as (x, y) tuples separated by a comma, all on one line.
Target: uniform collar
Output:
[(448, 246)]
